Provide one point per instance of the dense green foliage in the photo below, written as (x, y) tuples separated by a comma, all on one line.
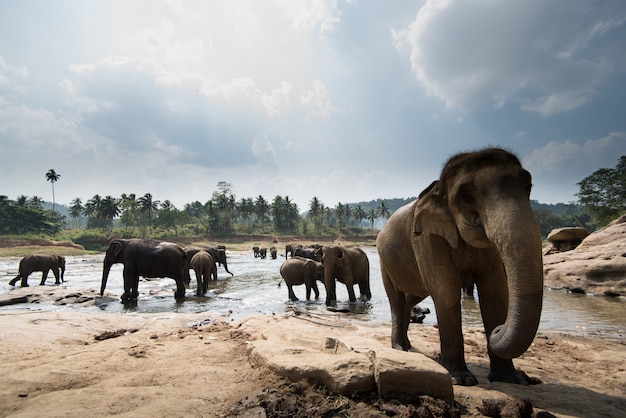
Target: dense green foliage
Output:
[(603, 193), (26, 216)]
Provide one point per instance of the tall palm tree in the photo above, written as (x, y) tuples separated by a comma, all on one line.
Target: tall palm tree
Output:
[(52, 176), (383, 211), (359, 214), (372, 216), (146, 204)]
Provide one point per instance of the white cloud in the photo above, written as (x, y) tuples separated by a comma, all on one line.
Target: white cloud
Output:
[(540, 55), (317, 100), (567, 156)]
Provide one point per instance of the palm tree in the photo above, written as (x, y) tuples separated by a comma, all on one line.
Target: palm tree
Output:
[(76, 209), (383, 211), (372, 216), (52, 176), (359, 214), (146, 204)]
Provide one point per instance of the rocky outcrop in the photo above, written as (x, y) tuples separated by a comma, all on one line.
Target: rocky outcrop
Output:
[(327, 350), (596, 266), (566, 239)]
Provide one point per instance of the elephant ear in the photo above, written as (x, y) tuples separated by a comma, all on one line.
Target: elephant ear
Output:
[(431, 216), (116, 248)]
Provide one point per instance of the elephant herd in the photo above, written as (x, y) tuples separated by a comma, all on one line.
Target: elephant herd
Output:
[(348, 265), (473, 226)]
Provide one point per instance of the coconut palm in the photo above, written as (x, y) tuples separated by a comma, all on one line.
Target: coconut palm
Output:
[(52, 176)]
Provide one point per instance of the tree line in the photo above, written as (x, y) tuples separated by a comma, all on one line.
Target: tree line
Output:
[(602, 198)]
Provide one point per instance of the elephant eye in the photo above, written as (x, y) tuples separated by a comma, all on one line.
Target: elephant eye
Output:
[(467, 198)]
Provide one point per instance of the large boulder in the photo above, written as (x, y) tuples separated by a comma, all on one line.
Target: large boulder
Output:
[(346, 358), (597, 265), (566, 239)]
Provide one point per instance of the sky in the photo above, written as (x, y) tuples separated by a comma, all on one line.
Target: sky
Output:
[(346, 101)]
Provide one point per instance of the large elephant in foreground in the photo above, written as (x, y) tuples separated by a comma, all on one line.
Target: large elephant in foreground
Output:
[(203, 266), (350, 266), (146, 258), (474, 225), (43, 263), (298, 270)]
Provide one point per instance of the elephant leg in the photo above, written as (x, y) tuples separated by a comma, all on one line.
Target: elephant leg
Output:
[(292, 296), (493, 308), (451, 339), (316, 290), (200, 283), (350, 286), (44, 276), (15, 279), (308, 291), (24, 282), (180, 287), (400, 315), (213, 272), (57, 279), (364, 289)]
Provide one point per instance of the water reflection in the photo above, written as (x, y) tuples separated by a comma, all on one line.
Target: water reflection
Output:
[(255, 289)]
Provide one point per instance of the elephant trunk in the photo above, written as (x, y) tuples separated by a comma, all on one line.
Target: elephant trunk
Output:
[(105, 275), (517, 236)]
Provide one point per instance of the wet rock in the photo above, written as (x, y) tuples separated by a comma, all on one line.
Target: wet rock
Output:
[(13, 300), (568, 234)]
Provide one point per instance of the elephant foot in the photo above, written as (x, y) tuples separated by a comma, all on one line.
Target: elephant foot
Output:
[(25, 285), (463, 378), (517, 377), (12, 282)]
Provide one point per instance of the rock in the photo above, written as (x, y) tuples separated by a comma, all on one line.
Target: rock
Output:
[(568, 234), (401, 372), (597, 265), (345, 358)]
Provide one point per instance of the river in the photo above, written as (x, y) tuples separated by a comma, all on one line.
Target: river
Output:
[(254, 288)]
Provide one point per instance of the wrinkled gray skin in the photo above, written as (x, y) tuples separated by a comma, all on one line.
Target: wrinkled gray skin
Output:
[(146, 258), (475, 225), (43, 263), (203, 266), (350, 266), (218, 254), (298, 270)]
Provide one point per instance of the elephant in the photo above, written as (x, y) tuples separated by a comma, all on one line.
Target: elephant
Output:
[(273, 253), (147, 258), (43, 263), (290, 248), (219, 257), (262, 253), (309, 252), (350, 266), (298, 270), (255, 250), (473, 225), (203, 265)]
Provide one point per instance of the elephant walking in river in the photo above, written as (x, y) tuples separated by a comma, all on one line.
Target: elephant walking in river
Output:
[(43, 263)]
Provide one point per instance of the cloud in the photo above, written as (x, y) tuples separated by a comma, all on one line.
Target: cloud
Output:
[(539, 55), (567, 156)]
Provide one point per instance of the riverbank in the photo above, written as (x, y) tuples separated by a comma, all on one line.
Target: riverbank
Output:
[(171, 364), (69, 363)]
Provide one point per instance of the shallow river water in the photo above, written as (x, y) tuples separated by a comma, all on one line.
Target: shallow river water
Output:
[(254, 288)]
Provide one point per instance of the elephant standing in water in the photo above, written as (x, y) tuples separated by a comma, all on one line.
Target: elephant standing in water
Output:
[(219, 257), (43, 263), (203, 265), (474, 225), (147, 258), (350, 266), (298, 270)]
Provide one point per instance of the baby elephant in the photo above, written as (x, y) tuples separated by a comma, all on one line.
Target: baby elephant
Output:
[(43, 263), (202, 264), (299, 270)]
